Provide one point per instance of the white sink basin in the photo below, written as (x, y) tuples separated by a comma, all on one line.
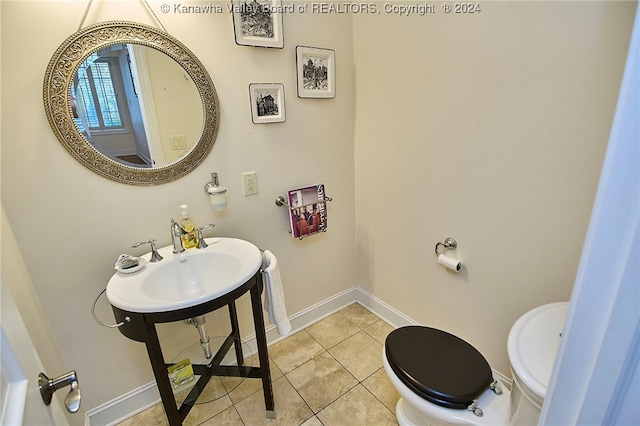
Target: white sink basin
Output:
[(185, 279)]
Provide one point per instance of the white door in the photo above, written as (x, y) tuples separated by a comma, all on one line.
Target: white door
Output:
[(596, 378), (20, 365)]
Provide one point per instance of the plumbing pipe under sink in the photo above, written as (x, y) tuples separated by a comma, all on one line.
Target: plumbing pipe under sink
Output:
[(205, 342)]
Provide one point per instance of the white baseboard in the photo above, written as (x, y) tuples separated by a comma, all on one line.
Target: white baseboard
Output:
[(308, 316), (387, 312), (138, 400), (123, 407)]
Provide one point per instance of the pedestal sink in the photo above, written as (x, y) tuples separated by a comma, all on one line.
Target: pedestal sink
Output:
[(185, 279), (188, 285)]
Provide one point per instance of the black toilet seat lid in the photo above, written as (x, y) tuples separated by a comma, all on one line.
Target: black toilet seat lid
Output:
[(438, 366)]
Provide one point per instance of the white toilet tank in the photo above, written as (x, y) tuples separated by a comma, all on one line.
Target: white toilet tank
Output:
[(532, 346)]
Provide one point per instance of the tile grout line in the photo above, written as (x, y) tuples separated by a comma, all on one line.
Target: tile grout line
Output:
[(325, 350), (358, 382)]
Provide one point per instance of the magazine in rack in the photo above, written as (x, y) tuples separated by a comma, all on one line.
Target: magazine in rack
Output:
[(307, 210)]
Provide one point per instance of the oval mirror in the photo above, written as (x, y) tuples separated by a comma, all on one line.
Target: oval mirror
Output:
[(131, 103)]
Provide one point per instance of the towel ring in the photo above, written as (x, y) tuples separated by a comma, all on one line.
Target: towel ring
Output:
[(93, 313)]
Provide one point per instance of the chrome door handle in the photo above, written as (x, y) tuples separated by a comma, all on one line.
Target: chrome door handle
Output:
[(49, 386)]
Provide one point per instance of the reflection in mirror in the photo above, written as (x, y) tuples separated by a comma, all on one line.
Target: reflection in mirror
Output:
[(131, 103), (136, 105)]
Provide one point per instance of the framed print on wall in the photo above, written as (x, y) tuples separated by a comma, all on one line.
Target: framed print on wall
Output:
[(267, 102), (316, 72), (258, 23)]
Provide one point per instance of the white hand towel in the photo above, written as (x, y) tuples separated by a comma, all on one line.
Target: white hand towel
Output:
[(274, 295)]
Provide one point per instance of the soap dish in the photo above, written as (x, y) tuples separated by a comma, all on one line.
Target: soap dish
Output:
[(119, 268)]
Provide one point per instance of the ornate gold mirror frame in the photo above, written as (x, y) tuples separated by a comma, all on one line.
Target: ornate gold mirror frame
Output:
[(57, 86)]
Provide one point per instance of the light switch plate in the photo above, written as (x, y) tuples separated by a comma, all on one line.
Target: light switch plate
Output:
[(178, 142)]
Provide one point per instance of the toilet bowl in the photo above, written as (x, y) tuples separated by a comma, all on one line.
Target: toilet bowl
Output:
[(532, 347), (443, 380)]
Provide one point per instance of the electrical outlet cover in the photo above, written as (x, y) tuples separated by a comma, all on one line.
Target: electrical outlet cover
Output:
[(250, 183)]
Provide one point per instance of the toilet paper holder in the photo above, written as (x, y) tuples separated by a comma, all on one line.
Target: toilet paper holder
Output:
[(449, 243)]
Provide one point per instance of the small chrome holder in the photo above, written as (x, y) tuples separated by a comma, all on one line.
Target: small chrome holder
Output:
[(214, 185), (216, 193), (49, 386), (449, 244)]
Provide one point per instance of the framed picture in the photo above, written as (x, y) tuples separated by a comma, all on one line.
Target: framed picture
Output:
[(316, 72), (267, 102), (258, 23)]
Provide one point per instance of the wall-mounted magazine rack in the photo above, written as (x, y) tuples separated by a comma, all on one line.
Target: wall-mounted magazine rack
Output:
[(307, 210)]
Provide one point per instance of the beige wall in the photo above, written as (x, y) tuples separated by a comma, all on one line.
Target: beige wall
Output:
[(490, 128), (177, 105), (71, 224), (17, 279)]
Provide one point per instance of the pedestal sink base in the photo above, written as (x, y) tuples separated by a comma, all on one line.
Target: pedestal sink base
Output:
[(142, 328)]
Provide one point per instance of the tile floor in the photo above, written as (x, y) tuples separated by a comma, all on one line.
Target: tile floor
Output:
[(327, 374)]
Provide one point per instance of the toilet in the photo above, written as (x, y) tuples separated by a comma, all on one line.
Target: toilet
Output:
[(532, 346), (443, 380)]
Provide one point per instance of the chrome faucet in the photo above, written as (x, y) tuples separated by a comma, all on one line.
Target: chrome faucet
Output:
[(176, 232)]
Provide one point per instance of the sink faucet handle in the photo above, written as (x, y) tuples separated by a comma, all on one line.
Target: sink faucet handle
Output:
[(201, 242), (155, 256)]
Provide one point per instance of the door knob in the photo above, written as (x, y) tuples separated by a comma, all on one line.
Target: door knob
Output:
[(49, 386)]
